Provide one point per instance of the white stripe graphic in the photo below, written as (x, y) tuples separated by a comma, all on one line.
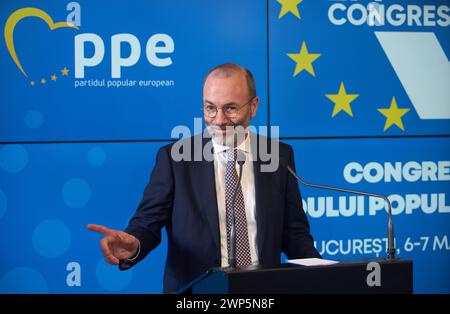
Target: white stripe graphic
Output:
[(423, 69)]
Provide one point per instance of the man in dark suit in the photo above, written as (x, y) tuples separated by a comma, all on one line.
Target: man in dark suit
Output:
[(194, 198)]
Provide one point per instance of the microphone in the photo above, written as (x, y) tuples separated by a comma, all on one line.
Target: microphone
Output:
[(391, 248), (232, 254)]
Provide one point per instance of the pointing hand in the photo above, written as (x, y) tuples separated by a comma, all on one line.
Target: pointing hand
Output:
[(116, 245)]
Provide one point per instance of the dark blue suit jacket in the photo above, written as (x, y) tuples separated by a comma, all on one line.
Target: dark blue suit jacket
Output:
[(181, 196)]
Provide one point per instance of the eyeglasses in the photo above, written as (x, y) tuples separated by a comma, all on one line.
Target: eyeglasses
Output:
[(229, 110)]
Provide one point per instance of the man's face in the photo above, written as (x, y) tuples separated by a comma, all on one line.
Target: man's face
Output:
[(223, 92)]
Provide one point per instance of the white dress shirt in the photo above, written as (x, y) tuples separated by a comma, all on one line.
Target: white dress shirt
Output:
[(248, 191)]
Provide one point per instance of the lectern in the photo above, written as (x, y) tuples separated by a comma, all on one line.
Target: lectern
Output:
[(395, 276)]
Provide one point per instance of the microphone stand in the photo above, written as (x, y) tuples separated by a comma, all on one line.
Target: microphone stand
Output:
[(391, 248)]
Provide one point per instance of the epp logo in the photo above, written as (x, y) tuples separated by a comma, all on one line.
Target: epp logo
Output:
[(16, 17), (157, 48), (153, 47)]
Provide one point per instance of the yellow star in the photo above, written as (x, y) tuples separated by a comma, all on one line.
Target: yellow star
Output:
[(289, 6), (43, 81), (304, 60), (342, 101), (54, 77), (394, 115), (65, 71), (32, 83)]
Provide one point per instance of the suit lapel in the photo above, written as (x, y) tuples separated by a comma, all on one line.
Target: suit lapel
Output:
[(262, 200), (207, 184)]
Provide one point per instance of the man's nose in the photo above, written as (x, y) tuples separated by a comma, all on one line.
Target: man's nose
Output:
[(220, 118)]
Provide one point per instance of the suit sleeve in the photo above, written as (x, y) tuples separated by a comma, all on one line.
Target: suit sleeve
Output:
[(297, 240), (154, 211)]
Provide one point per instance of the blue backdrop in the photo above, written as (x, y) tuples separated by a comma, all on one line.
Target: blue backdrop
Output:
[(358, 88)]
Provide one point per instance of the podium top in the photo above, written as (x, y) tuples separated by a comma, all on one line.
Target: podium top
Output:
[(352, 276)]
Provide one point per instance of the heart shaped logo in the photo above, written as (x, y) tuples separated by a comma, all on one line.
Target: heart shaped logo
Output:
[(16, 17)]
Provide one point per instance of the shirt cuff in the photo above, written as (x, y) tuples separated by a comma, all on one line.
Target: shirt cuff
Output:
[(137, 254)]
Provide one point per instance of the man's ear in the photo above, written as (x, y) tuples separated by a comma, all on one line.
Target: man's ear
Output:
[(254, 106)]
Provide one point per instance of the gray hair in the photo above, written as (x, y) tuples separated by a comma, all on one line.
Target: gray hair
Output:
[(228, 69)]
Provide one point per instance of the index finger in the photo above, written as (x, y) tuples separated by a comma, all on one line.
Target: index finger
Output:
[(101, 229)]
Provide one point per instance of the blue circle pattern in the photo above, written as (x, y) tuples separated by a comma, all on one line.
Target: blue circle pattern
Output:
[(34, 119), (110, 278), (3, 203), (76, 193), (51, 238), (96, 156), (13, 158), (23, 280)]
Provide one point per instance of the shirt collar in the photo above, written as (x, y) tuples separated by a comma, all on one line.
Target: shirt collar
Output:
[(244, 146)]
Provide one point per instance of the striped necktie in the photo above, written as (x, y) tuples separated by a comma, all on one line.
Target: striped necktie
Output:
[(243, 257)]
